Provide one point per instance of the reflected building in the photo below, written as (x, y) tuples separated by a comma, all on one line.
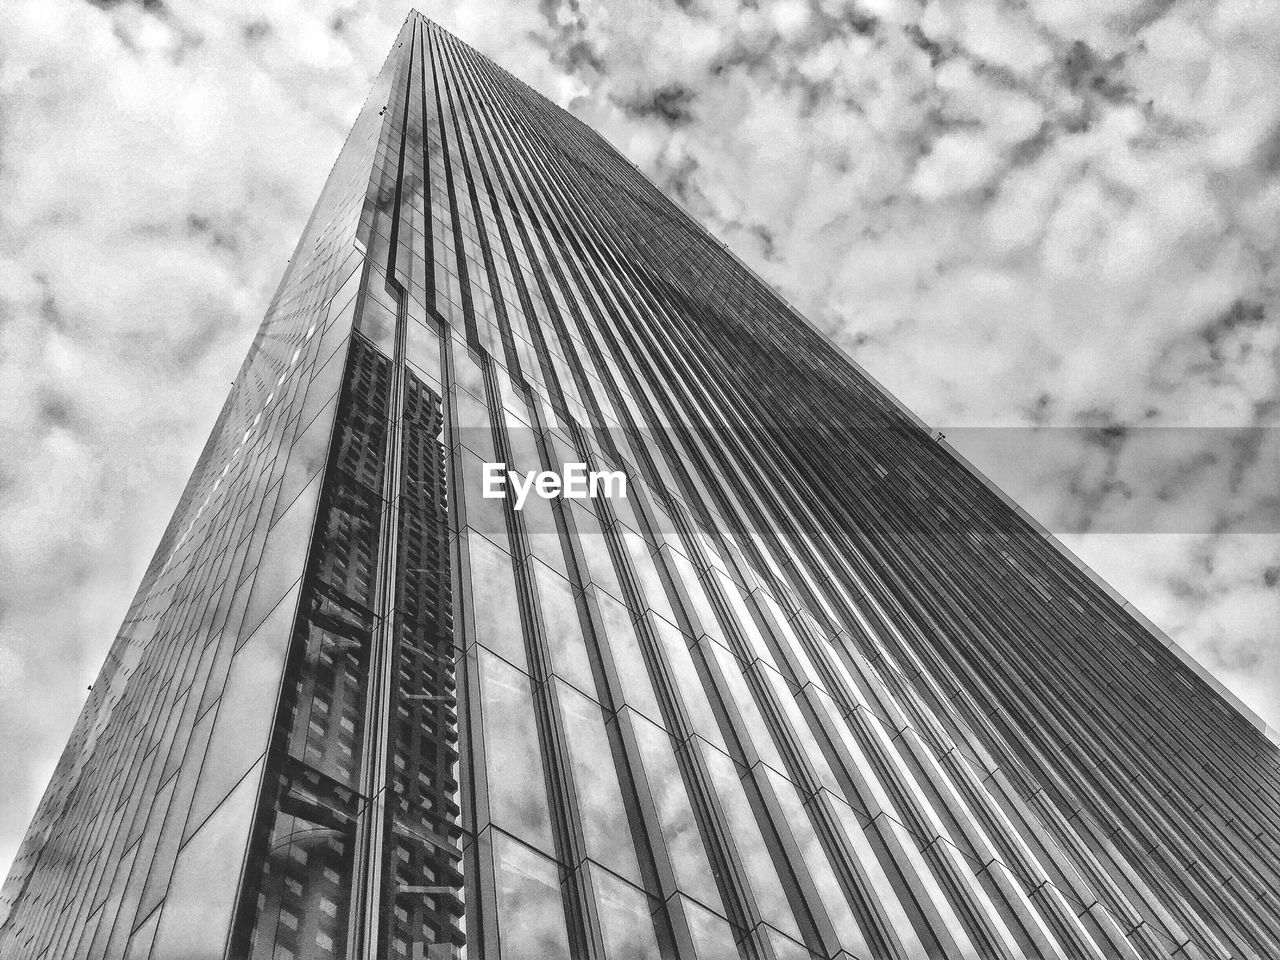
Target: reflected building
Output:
[(811, 689)]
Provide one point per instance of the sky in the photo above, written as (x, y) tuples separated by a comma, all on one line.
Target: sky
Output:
[(1050, 228)]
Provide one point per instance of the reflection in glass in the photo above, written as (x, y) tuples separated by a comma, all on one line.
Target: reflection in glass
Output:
[(679, 828), (474, 431), (531, 923), (702, 609), (423, 863), (604, 817), (422, 349), (692, 694), (282, 557), (493, 599), (626, 918), (799, 725), (596, 551), (523, 442), (744, 701), (485, 514), (750, 842), (141, 941), (245, 712), (378, 323), (544, 536), (645, 567), (784, 948), (308, 454), (880, 889), (466, 369), (202, 890), (513, 760), (624, 644), (563, 629), (750, 629), (819, 867), (712, 936)]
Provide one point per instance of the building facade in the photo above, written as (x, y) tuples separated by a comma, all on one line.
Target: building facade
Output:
[(809, 689)]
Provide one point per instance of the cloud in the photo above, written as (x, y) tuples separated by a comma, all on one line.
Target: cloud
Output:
[(671, 103), (1055, 214)]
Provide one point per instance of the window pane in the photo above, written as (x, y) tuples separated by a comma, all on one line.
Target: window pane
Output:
[(740, 694), (800, 727), (307, 455), (604, 818), (513, 760), (712, 936), (544, 536), (493, 600), (785, 949), (203, 888), (484, 514), (692, 693), (746, 620), (523, 441), (245, 713), (473, 425), (530, 911), (596, 551), (881, 889), (702, 609), (642, 561), (422, 349), (140, 942), (378, 323), (466, 369), (679, 828), (563, 629), (819, 867), (624, 644), (283, 557), (626, 919), (749, 841)]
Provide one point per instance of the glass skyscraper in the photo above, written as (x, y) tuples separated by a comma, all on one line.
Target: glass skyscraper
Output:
[(806, 687)]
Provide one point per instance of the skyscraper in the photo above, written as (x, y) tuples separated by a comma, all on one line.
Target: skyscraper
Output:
[(756, 668)]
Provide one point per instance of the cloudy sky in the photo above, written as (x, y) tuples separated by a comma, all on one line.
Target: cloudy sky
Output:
[(1049, 227)]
